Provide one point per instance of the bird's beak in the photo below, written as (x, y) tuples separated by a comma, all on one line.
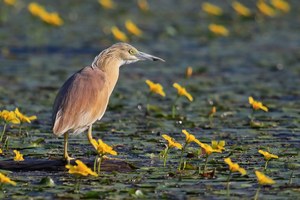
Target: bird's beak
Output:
[(144, 56)]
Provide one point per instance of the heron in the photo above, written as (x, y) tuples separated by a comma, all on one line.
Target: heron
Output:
[(83, 98)]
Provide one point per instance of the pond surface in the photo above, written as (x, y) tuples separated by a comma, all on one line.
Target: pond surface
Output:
[(260, 58)]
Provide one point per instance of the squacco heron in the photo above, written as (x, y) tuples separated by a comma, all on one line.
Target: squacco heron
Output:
[(83, 98)]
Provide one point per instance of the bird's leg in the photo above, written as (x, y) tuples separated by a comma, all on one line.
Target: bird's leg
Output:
[(90, 137), (66, 155)]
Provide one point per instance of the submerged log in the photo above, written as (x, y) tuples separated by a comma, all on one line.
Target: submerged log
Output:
[(108, 165)]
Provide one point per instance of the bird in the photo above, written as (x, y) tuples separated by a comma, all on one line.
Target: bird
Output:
[(83, 98)]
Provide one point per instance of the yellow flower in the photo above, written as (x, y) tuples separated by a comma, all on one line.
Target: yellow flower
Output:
[(24, 118), (36, 9), (108, 4), (189, 72), (218, 29), (118, 34), (211, 9), (10, 2), (80, 169), (172, 142), (241, 9), (281, 5), (189, 137), (265, 8), (267, 155), (182, 91), (143, 5), (5, 179), (263, 179), (102, 148), (234, 167), (18, 156), (156, 88), (256, 105), (1, 152), (52, 18), (132, 28), (208, 149), (9, 117), (218, 145)]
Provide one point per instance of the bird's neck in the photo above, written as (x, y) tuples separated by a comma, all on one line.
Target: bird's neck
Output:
[(111, 70)]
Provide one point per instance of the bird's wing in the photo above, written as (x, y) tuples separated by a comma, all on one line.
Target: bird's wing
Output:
[(81, 101)]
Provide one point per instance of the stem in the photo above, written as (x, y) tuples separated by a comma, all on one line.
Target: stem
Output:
[(206, 160), (174, 107), (95, 163), (99, 163), (228, 179), (166, 155), (181, 155), (4, 127), (20, 128), (266, 165), (147, 103), (291, 177), (257, 193)]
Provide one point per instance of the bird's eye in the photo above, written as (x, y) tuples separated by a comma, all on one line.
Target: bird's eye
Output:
[(131, 51)]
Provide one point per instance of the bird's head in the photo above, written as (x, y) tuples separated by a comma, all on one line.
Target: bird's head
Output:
[(125, 53)]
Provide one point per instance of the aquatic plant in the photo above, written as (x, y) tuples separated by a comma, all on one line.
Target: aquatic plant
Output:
[(102, 149), (181, 91), (262, 179), (268, 156), (18, 156), (171, 144), (133, 28)]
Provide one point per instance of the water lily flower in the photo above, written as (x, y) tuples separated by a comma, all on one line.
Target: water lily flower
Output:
[(241, 9), (182, 91), (263, 179), (212, 9), (132, 28), (208, 149), (5, 180), (267, 155), (80, 169), (10, 2), (118, 34), (281, 5), (155, 88), (234, 167), (18, 156), (9, 117), (219, 30), (189, 137), (256, 105), (103, 148), (189, 72), (265, 8), (107, 4), (39, 11), (24, 118), (143, 5), (171, 142), (219, 145)]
